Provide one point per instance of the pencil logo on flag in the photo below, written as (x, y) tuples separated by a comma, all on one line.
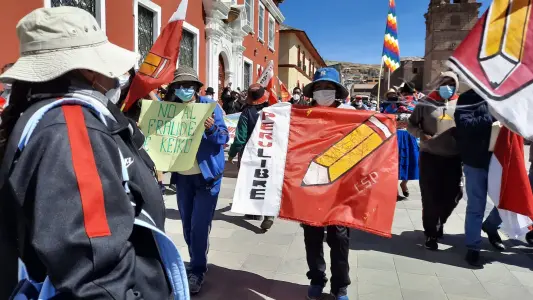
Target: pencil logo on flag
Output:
[(344, 155), (504, 37), (153, 65)]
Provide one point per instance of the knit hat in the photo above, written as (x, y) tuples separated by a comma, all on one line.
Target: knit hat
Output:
[(256, 94)]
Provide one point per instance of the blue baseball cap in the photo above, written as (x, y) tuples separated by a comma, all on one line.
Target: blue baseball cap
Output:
[(327, 74)]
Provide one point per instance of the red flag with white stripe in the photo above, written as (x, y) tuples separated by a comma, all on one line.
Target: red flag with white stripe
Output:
[(321, 166), (509, 186), (160, 64)]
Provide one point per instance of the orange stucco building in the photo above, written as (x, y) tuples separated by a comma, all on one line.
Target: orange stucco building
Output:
[(225, 41)]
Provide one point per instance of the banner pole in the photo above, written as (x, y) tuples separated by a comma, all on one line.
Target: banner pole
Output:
[(379, 83), (388, 79)]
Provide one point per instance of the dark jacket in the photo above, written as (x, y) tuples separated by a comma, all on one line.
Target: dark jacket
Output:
[(45, 188), (245, 128), (474, 124)]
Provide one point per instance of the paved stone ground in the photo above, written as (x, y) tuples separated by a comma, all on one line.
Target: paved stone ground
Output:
[(248, 264)]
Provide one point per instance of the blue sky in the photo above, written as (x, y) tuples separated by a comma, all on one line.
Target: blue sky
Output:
[(353, 30)]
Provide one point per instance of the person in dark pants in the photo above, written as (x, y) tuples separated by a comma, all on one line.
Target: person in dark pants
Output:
[(440, 163), (256, 100), (198, 188), (324, 90), (474, 125)]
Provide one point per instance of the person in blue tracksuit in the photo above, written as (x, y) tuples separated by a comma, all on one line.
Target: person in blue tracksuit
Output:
[(198, 188)]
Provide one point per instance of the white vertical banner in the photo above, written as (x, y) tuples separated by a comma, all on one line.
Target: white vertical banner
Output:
[(260, 180)]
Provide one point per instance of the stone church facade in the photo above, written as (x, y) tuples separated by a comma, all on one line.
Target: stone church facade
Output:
[(448, 22)]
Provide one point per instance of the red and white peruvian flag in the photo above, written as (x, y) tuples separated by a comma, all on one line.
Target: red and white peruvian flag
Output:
[(508, 184), (160, 64), (266, 79)]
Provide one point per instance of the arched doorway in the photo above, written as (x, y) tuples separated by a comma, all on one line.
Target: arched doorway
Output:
[(221, 75)]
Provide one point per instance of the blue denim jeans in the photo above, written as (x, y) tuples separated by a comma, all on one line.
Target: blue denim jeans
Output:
[(476, 191)]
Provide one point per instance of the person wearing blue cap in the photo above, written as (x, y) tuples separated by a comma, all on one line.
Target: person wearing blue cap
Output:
[(326, 90)]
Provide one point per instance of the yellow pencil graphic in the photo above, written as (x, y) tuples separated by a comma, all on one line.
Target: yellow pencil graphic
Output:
[(504, 37), (346, 153)]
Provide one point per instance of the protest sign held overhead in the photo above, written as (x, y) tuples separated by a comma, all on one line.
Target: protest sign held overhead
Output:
[(496, 60), (321, 166), (173, 132)]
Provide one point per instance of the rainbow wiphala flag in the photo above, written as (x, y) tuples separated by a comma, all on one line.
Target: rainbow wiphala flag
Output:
[(391, 48)]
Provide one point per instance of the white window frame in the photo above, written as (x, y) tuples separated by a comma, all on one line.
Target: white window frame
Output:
[(188, 27), (251, 63), (272, 43), (261, 33), (100, 12), (251, 26), (156, 9)]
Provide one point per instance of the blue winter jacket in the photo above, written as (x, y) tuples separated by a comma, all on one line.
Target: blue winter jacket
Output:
[(210, 155)]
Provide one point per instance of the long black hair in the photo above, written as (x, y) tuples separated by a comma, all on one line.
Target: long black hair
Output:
[(19, 101)]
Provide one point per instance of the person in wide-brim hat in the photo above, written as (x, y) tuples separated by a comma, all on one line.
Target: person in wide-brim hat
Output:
[(65, 86), (330, 75), (49, 53), (186, 74)]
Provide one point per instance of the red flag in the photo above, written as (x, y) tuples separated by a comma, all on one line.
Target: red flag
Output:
[(160, 64), (340, 167), (496, 60), (2, 101), (267, 80), (285, 95), (259, 72), (515, 190)]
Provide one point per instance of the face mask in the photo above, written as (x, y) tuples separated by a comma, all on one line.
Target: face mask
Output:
[(7, 86), (446, 91), (324, 97), (124, 80), (359, 104), (296, 97), (112, 94), (185, 95)]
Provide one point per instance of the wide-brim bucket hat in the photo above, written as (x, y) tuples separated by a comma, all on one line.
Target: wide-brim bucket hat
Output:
[(186, 74), (55, 41), (327, 74), (257, 94)]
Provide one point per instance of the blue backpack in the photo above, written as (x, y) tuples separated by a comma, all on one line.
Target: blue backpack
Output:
[(28, 289)]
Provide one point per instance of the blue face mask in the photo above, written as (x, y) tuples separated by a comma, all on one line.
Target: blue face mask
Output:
[(446, 91), (185, 95)]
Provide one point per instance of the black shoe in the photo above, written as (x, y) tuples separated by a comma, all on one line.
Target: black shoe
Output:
[(473, 258), (529, 238), (267, 223), (495, 239), (432, 244)]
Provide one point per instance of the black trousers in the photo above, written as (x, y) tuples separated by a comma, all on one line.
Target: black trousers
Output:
[(440, 186), (338, 239)]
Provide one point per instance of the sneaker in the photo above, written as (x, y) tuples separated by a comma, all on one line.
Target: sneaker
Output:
[(195, 283), (494, 239), (473, 258), (342, 294), (267, 223), (314, 292), (529, 238), (432, 244)]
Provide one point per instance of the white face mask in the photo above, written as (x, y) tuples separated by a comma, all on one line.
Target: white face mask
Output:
[(7, 86), (113, 95), (124, 80), (324, 97), (296, 97)]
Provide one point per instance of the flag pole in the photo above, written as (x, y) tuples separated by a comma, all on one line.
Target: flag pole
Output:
[(379, 83), (388, 79)]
